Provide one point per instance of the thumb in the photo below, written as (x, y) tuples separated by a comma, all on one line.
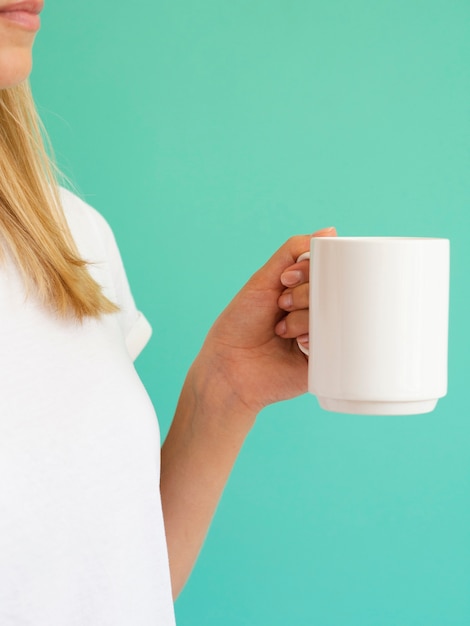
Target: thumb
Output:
[(326, 232)]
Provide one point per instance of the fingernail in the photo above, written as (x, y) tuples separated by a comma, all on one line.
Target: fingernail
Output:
[(281, 328), (325, 231), (291, 278), (286, 301), (304, 339)]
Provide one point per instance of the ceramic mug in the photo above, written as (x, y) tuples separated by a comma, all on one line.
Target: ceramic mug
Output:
[(378, 323)]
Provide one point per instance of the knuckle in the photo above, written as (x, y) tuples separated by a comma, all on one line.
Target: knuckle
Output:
[(297, 323)]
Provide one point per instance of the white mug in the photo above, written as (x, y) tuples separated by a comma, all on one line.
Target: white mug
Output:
[(378, 323)]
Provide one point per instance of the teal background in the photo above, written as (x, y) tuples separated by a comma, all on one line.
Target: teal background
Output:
[(208, 132)]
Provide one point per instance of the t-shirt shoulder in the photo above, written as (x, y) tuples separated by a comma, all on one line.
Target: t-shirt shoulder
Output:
[(97, 246)]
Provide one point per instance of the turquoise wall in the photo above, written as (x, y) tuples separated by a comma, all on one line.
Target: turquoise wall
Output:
[(208, 132)]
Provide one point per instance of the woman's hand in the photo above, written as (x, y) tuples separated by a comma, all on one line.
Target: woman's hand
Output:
[(252, 350)]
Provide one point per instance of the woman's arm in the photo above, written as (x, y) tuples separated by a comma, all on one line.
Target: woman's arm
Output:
[(250, 359)]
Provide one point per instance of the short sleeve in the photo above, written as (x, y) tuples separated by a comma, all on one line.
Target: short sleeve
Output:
[(135, 327), (97, 245)]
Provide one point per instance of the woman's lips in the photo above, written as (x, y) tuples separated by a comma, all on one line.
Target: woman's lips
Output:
[(24, 14)]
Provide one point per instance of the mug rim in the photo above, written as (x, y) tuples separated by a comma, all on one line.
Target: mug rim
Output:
[(380, 239)]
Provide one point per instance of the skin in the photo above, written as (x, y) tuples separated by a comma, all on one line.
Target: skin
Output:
[(250, 359), (16, 45)]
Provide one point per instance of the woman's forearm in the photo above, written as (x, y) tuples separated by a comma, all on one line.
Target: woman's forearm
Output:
[(199, 452)]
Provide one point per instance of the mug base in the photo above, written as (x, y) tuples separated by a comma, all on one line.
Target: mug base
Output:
[(364, 407)]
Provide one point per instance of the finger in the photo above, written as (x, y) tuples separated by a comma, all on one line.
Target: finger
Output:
[(299, 272), (326, 232), (268, 276), (296, 274), (304, 343), (293, 325), (293, 299)]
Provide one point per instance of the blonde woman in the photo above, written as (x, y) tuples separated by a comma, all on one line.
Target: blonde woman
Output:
[(86, 535)]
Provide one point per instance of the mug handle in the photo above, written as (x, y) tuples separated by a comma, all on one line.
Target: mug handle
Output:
[(305, 256)]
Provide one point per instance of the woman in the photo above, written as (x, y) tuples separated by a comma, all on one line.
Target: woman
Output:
[(87, 537)]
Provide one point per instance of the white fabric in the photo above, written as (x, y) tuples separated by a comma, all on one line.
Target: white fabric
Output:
[(82, 540)]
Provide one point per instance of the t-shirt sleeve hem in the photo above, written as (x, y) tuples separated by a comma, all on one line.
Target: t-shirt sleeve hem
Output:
[(138, 336)]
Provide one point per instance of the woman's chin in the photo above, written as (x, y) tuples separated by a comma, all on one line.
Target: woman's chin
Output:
[(15, 66)]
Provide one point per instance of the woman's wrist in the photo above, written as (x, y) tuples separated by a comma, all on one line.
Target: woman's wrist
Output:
[(217, 404)]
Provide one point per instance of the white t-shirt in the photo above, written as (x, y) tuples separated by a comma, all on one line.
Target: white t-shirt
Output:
[(82, 541)]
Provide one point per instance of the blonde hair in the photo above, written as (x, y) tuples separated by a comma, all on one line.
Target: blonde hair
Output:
[(32, 223)]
